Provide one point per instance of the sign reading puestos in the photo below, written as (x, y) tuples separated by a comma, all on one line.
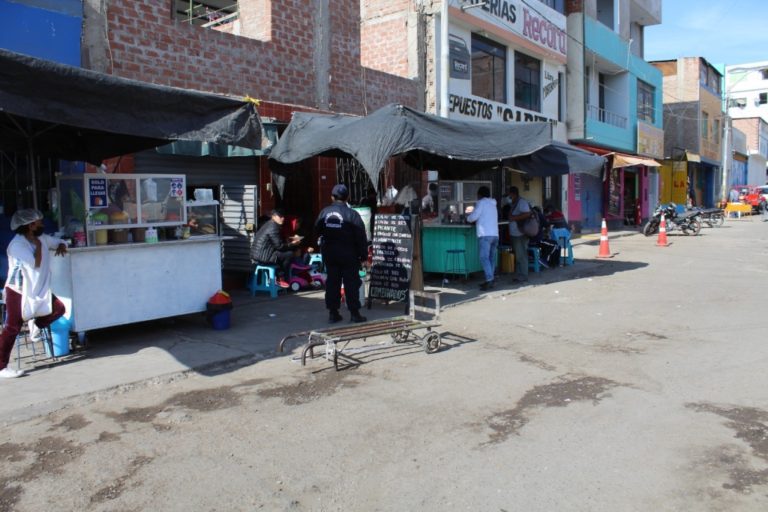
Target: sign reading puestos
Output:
[(392, 257), (537, 22)]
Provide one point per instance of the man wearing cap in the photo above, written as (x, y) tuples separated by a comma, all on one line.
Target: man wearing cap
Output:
[(344, 246), (269, 248), (27, 289)]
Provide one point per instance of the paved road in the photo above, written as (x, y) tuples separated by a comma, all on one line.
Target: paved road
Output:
[(635, 383)]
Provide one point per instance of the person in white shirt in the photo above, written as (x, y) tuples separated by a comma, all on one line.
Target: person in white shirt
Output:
[(486, 217), (28, 287)]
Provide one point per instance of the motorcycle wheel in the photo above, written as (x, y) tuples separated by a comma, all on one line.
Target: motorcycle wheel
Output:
[(694, 227), (650, 228), (718, 220)]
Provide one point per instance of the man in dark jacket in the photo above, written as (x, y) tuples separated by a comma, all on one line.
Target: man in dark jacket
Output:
[(268, 247), (344, 246)]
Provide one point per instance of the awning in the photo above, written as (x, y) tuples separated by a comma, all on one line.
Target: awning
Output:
[(623, 160), (55, 110), (692, 157), (431, 141)]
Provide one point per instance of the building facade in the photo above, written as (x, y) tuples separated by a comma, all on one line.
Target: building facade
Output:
[(747, 108), (755, 130), (614, 106), (693, 130)]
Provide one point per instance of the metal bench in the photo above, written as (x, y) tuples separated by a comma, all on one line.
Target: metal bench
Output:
[(400, 329)]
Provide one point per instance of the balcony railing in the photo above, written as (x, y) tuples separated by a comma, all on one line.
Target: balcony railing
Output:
[(606, 116)]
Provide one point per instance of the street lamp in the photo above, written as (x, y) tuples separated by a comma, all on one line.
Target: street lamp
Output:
[(727, 125)]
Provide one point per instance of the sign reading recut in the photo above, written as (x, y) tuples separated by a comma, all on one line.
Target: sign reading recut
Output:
[(392, 258), (541, 25)]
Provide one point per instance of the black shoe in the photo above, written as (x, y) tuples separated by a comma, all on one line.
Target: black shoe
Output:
[(487, 285), (334, 316), (357, 318)]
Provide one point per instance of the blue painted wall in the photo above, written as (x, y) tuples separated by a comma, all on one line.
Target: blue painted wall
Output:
[(48, 29), (606, 43)]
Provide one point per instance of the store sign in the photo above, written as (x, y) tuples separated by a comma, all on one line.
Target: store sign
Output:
[(392, 263), (477, 108), (97, 193), (650, 140), (541, 25)]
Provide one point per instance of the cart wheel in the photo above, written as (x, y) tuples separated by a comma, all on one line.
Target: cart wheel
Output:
[(431, 342), (400, 337)]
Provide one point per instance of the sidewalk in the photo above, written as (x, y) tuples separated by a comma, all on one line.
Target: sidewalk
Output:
[(152, 353)]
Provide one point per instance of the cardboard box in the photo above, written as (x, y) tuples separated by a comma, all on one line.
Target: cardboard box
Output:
[(507, 265)]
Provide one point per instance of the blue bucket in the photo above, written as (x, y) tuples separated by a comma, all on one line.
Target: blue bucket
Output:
[(220, 320), (60, 337)]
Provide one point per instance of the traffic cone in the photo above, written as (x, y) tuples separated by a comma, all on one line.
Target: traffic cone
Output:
[(604, 252), (662, 240)]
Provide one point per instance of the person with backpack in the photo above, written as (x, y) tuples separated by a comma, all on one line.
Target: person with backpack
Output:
[(519, 212)]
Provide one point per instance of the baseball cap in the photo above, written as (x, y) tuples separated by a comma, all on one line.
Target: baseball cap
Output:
[(340, 191)]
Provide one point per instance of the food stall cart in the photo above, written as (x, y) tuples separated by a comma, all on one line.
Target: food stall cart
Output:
[(134, 257), (449, 230)]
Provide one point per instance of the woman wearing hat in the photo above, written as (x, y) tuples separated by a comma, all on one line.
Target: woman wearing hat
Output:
[(27, 289)]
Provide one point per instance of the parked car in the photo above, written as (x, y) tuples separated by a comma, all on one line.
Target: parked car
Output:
[(757, 197)]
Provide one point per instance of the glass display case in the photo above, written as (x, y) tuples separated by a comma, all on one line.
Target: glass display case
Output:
[(454, 197), (202, 217), (100, 209)]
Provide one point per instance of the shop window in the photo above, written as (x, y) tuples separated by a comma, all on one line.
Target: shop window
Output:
[(762, 99), (527, 82), (489, 69), (558, 5), (645, 97), (205, 13)]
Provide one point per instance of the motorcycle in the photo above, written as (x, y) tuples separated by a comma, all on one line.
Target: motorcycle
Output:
[(712, 217), (688, 222)]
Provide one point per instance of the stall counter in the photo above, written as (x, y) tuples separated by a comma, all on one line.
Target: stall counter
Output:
[(437, 238), (110, 285)]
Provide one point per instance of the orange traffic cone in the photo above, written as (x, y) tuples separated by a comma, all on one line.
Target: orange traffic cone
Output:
[(662, 240), (604, 252)]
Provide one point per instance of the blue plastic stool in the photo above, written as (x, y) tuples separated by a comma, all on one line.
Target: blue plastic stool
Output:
[(533, 260), (264, 279), (455, 263), (563, 238)]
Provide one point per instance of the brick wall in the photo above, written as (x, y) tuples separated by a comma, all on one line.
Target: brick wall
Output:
[(750, 128), (384, 35), (275, 63)]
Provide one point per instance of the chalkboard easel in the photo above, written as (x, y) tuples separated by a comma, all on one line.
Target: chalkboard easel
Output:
[(392, 263)]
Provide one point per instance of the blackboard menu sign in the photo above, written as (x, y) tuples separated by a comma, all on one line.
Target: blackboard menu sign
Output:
[(392, 258)]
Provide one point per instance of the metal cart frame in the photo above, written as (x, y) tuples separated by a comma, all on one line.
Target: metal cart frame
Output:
[(400, 328)]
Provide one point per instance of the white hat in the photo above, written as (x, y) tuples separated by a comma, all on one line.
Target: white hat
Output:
[(24, 217)]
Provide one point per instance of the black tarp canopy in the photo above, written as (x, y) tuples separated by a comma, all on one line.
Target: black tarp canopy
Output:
[(60, 111), (454, 147)]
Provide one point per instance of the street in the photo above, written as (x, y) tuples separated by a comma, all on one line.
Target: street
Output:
[(636, 384)]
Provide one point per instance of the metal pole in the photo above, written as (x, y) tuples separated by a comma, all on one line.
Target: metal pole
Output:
[(32, 172), (726, 153)]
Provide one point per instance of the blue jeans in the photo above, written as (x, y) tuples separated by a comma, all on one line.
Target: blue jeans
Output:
[(487, 246)]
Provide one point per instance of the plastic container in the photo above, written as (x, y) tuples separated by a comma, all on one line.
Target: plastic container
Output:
[(150, 236), (218, 310), (60, 337), (220, 320)]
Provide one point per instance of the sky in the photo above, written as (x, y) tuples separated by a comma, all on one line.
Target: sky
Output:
[(724, 32)]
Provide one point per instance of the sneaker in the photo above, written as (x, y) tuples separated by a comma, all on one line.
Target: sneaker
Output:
[(282, 283), (10, 373), (334, 316), (357, 318)]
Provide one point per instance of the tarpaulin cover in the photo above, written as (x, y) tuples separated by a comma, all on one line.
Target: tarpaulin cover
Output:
[(432, 142), (77, 114)]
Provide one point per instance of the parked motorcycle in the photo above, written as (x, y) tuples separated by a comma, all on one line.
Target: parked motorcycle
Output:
[(712, 217), (688, 222)]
